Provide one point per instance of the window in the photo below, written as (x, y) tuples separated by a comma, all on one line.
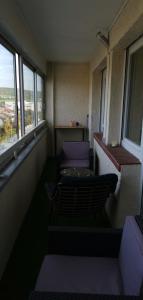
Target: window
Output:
[(29, 103), (8, 102), (39, 98), (134, 99), (102, 105), (21, 101)]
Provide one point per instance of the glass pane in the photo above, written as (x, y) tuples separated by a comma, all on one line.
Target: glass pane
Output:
[(29, 114), (18, 97), (39, 98), (135, 98), (103, 95), (8, 111)]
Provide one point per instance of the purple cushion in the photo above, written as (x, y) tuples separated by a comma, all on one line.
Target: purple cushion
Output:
[(131, 257), (74, 274), (74, 164), (76, 150)]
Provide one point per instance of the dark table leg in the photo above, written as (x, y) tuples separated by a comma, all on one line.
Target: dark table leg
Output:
[(83, 134), (55, 136)]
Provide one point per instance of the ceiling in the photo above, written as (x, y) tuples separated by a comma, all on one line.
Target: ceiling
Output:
[(66, 29)]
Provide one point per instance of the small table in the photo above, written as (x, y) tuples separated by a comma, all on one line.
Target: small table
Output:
[(77, 172)]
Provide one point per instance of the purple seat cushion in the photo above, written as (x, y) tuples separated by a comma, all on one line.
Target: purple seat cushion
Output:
[(74, 274), (74, 164), (76, 150), (131, 257)]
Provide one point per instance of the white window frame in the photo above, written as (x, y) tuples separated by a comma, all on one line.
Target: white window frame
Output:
[(25, 63), (36, 75), (12, 51), (23, 138), (127, 143), (103, 106)]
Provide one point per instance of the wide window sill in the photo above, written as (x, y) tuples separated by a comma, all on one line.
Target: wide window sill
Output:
[(118, 155), (15, 163)]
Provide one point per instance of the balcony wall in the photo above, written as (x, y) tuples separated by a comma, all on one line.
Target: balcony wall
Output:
[(16, 197)]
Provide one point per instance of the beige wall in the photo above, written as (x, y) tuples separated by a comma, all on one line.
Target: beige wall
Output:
[(95, 103), (71, 93), (14, 26), (50, 107), (99, 57), (115, 96), (67, 98), (16, 196), (128, 26)]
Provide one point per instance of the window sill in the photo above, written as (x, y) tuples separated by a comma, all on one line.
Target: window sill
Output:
[(15, 163), (118, 155)]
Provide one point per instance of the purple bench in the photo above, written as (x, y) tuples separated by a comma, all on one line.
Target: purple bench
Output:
[(122, 275), (75, 155)]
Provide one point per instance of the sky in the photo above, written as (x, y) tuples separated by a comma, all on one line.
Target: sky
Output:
[(7, 72), (6, 68)]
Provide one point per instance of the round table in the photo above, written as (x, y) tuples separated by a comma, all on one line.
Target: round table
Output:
[(77, 172)]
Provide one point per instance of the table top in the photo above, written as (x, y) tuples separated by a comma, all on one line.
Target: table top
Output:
[(77, 172), (69, 127)]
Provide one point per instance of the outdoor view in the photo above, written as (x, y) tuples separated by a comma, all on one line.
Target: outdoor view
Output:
[(29, 115), (8, 115), (39, 98), (10, 119)]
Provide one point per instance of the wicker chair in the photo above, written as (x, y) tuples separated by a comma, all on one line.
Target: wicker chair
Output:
[(82, 198)]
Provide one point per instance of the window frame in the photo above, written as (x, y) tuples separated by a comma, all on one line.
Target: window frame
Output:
[(43, 96), (126, 142), (23, 139), (9, 48), (101, 100), (24, 62)]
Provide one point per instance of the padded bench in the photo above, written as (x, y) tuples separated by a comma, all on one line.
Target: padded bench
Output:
[(75, 155), (105, 275)]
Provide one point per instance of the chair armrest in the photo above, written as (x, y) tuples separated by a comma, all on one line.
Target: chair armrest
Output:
[(50, 193), (66, 296), (84, 241), (139, 220), (60, 156), (91, 158)]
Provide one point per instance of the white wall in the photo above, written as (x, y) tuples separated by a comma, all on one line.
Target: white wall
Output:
[(127, 27), (128, 192), (16, 196), (14, 26)]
